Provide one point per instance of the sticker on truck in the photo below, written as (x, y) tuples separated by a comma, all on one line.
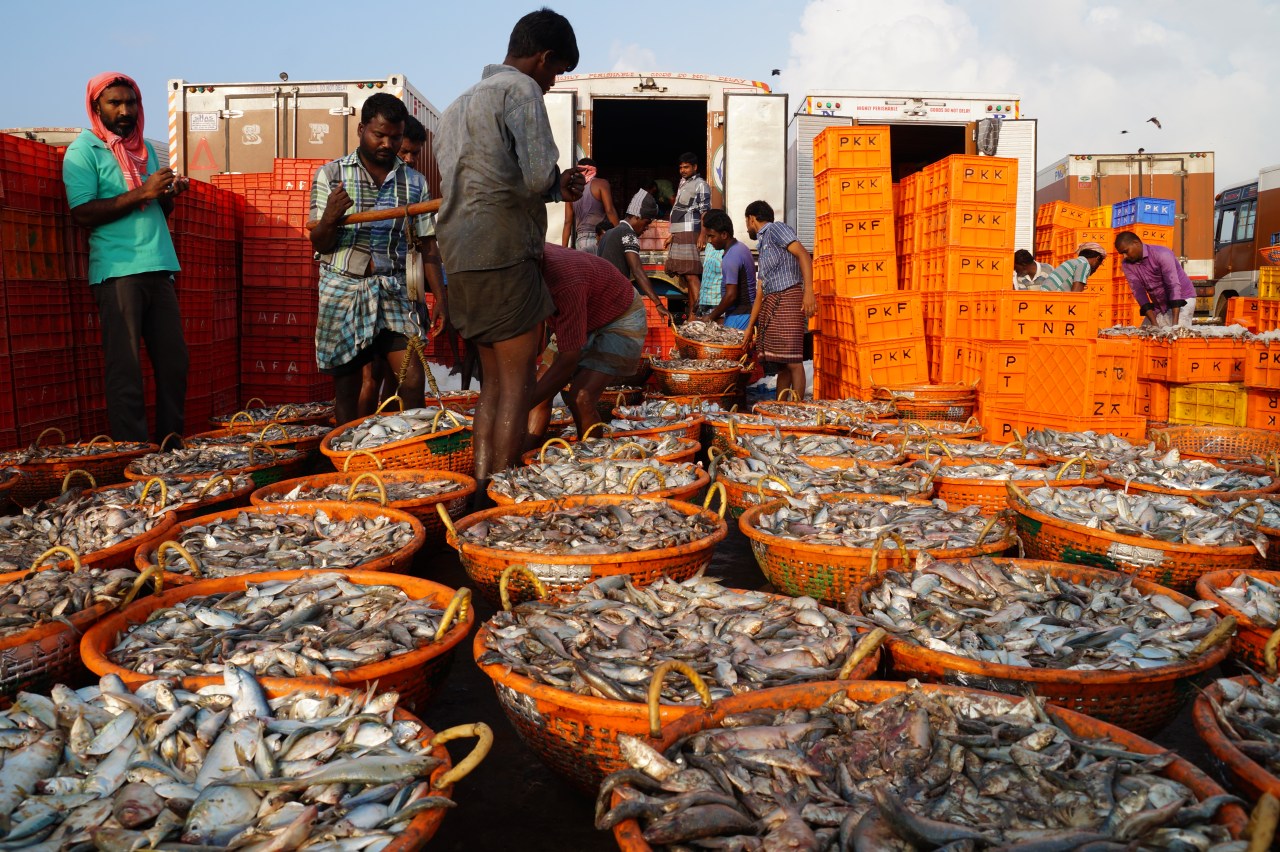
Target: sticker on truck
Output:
[(202, 122)]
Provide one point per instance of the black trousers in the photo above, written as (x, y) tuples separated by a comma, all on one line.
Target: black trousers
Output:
[(134, 308)]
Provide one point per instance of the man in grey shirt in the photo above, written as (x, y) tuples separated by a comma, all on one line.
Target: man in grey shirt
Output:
[(498, 170)]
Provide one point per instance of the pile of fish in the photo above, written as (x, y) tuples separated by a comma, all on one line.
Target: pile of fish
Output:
[(198, 460), (84, 522), (397, 490), (596, 449), (916, 429), (1257, 599), (553, 480), (1176, 473), (638, 424), (178, 494), (593, 529), (1001, 471), (56, 595), (1202, 332), (967, 450), (696, 365), (1248, 719), (997, 614), (1258, 511), (1169, 518), (748, 471), (664, 409), (710, 332), (766, 447), (560, 414), (164, 768), (608, 637), (862, 524), (862, 408), (288, 411), (919, 770), (379, 429), (71, 451), (285, 541), (1106, 447), (274, 432), (807, 415), (309, 627)]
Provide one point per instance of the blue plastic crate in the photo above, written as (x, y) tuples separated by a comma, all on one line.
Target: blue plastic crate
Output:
[(1146, 211)]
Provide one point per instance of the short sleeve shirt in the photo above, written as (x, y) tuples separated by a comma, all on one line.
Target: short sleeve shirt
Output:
[(1074, 271), (617, 243), (588, 293), (739, 267), (779, 268), (135, 243)]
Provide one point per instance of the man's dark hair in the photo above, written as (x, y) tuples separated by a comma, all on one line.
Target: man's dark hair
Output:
[(761, 210), (1023, 256), (1126, 238), (1090, 253), (718, 220), (414, 131), (586, 161), (544, 30), (388, 106), (690, 158)]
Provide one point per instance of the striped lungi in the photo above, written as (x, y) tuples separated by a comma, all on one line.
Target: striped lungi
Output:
[(782, 327), (683, 257)]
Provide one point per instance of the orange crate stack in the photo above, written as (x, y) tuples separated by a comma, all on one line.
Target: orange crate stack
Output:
[(1082, 378), (1243, 310), (1262, 409)]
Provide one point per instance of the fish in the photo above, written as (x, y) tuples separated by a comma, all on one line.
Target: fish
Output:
[(791, 415), (756, 474), (1000, 471), (594, 529), (381, 429), (904, 429), (1246, 716), (85, 522), (834, 410), (314, 626), (631, 446), (1172, 472), (942, 450), (210, 459), (662, 411), (1101, 446), (1257, 599), (611, 476), (78, 449), (710, 332), (918, 770), (863, 524), (177, 494), (280, 413), (695, 365), (397, 490), (272, 433), (996, 612), (44, 597), (607, 638), (769, 447)]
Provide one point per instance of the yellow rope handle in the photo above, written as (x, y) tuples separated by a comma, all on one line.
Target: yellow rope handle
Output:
[(270, 449), (395, 397), (59, 548), (1261, 830), (505, 579), (716, 488), (655, 691), (876, 548), (769, 477), (973, 421), (934, 442), (346, 465), (280, 412), (95, 439), (435, 421), (782, 395), (733, 429), (272, 425), (866, 646), (1269, 652), (986, 529), (1010, 446), (213, 480), (1016, 492), (456, 611), (146, 489), (451, 532), (250, 404), (152, 572), (542, 454), (605, 431), (1066, 466), (622, 448), (484, 741), (635, 478), (66, 480), (165, 442), (166, 547), (1256, 504), (1219, 634), (377, 480), (62, 436), (231, 424)]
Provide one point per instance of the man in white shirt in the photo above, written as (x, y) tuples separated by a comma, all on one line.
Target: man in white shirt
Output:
[(1027, 274)]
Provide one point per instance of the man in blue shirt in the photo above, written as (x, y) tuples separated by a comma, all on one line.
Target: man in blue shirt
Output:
[(737, 271), (786, 282)]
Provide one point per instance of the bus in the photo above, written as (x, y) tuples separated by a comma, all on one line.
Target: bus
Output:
[(1246, 220)]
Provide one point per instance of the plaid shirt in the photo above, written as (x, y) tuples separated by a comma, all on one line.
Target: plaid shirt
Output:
[(1074, 271), (779, 268), (382, 241), (693, 198), (712, 280)]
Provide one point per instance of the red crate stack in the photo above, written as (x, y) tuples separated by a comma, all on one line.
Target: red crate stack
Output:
[(295, 174)]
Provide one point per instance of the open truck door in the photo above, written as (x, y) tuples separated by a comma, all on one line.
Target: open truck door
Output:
[(1017, 139), (562, 110), (755, 155)]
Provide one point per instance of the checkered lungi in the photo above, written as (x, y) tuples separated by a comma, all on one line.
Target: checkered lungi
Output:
[(782, 327), (683, 257)]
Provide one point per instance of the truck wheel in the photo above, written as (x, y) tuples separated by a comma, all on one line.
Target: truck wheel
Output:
[(1220, 308)]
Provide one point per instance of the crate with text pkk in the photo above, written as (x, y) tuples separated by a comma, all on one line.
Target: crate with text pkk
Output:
[(963, 177), (1025, 314), (862, 146), (881, 318), (970, 223), (855, 233), (890, 363), (1152, 400), (1262, 409), (856, 274), (1262, 365), (1062, 214), (1210, 404), (853, 190), (965, 269), (1152, 235), (1144, 211), (1198, 360), (1268, 315), (1082, 378)]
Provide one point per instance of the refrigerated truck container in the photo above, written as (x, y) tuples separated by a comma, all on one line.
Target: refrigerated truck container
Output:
[(1095, 180), (215, 128), (924, 127), (1246, 221)]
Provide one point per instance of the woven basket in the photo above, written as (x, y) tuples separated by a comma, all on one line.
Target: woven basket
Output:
[(416, 675), (1241, 772), (938, 450), (687, 451), (1143, 701), (954, 403), (690, 428), (1218, 442), (1249, 648), (724, 435), (682, 492), (1176, 566), (696, 349), (399, 561), (827, 572), (231, 500), (262, 474), (736, 448), (993, 494), (616, 397), (700, 383), (911, 429), (263, 436), (43, 478), (741, 497), (570, 572), (446, 449), (629, 835), (286, 413), (726, 400), (1118, 483)]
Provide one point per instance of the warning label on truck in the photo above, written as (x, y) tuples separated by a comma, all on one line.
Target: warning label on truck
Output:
[(202, 122)]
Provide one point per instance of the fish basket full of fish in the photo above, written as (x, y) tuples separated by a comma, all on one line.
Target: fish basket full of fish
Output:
[(1252, 598), (571, 707), (819, 450), (617, 396), (284, 537), (351, 628), (1219, 443), (953, 402), (972, 482), (700, 377), (1235, 719), (729, 428), (303, 437), (44, 467), (570, 542), (1263, 513), (253, 417), (901, 431), (417, 439), (414, 492), (263, 464), (636, 477), (186, 498), (1172, 474), (853, 409), (726, 401), (1172, 541), (709, 341), (1118, 648), (667, 448), (824, 545), (960, 449), (856, 766)]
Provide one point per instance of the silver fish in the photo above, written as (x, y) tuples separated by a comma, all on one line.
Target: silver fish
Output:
[(53, 595), (289, 411), (85, 522), (847, 524), (1173, 472), (710, 332), (593, 529), (388, 428), (209, 459), (610, 476)]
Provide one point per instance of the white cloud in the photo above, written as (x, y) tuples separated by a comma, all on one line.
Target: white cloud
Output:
[(632, 57)]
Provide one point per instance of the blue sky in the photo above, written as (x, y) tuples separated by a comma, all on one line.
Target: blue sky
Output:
[(1086, 69)]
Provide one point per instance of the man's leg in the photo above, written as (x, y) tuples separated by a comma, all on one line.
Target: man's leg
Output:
[(412, 389), (120, 307), (346, 395), (796, 376), (584, 396), (694, 283), (508, 367), (370, 387), (162, 329)]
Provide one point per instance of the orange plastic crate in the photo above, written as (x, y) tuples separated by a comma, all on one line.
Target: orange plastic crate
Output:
[(853, 190), (1262, 409), (909, 232), (858, 274), (1157, 235), (1152, 401), (962, 177), (972, 224), (858, 147), (1197, 361), (966, 269), (906, 201), (1001, 368), (1001, 421), (891, 363), (1268, 315), (855, 233), (1081, 378), (907, 279), (884, 318), (1262, 365), (1243, 310), (1026, 314), (1063, 214)]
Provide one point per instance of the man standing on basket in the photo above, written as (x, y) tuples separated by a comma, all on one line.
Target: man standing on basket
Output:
[(786, 288), (685, 242)]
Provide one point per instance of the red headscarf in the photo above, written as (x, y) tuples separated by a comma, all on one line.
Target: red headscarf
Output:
[(131, 151)]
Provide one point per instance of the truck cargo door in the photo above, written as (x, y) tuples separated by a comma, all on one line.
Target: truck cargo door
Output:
[(562, 110), (801, 205), (318, 125), (755, 153), (1018, 140), (251, 135)]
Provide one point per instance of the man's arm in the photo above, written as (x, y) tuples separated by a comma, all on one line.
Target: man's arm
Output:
[(431, 268), (537, 155), (728, 297), (103, 211), (556, 377), (642, 281), (605, 196), (331, 202), (806, 276), (567, 233)]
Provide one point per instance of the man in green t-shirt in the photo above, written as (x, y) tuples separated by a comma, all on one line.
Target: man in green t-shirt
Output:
[(116, 190)]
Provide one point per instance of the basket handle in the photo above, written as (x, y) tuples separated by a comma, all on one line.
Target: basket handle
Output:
[(505, 579), (394, 396), (346, 465), (267, 447), (662, 408), (456, 611), (619, 399), (95, 439), (782, 395), (435, 421), (1009, 446), (655, 691), (272, 425), (733, 429), (1016, 492), (231, 424), (62, 436), (66, 480), (151, 572), (1162, 440), (1066, 466), (165, 442), (972, 421), (599, 424), (991, 524), (542, 455), (1269, 652), (248, 405), (714, 454), (288, 406), (879, 545), (716, 488), (451, 532), (59, 548), (377, 480), (213, 480), (942, 448), (1220, 633), (1261, 830), (622, 448), (916, 424), (146, 489), (930, 476), (866, 646), (769, 477), (1256, 504), (484, 741), (162, 556), (635, 478)]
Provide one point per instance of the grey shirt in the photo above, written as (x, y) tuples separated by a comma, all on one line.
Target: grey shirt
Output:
[(497, 172)]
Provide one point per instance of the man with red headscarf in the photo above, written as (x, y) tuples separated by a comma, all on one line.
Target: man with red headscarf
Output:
[(116, 190)]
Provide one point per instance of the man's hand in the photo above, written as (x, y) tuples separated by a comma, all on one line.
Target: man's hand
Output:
[(571, 184), (662, 311), (666, 244), (180, 185), (157, 185), (810, 303), (437, 321), (337, 205)]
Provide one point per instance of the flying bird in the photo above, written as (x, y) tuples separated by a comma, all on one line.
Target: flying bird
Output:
[(1156, 122), (777, 72), (1122, 132)]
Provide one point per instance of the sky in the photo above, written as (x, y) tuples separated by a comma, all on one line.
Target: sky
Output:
[(1085, 69)]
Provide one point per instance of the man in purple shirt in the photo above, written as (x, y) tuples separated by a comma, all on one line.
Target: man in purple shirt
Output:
[(1160, 285)]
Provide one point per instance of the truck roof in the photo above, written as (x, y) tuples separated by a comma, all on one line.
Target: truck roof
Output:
[(660, 75), (913, 93)]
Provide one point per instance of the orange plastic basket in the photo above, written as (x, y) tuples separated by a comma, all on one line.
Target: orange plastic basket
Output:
[(686, 452), (262, 474), (904, 430), (263, 436), (571, 571), (1251, 637), (286, 413), (741, 496), (993, 494), (1218, 442), (1119, 483), (629, 835), (953, 402), (1143, 701), (1176, 566), (690, 428), (937, 450), (399, 561), (724, 434), (232, 499), (1243, 773), (828, 572), (42, 478), (445, 449), (682, 492), (119, 554), (416, 676)]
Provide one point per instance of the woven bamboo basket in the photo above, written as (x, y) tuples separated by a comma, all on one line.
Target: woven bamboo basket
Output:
[(447, 448), (903, 430), (273, 469), (702, 383), (1241, 772), (1218, 442), (993, 494), (232, 499), (951, 402), (690, 428), (417, 675), (933, 449), (571, 571), (616, 397), (696, 349), (625, 449), (630, 837), (1143, 701), (42, 478), (271, 435), (1118, 483), (1176, 566), (681, 492), (286, 413), (1252, 638)]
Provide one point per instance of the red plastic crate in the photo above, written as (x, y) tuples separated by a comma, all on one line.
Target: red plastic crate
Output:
[(278, 311), (242, 182), (89, 378), (28, 431), (33, 245), (226, 318), (275, 215), (44, 386), (31, 176), (295, 174), (93, 422), (38, 315), (278, 361)]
